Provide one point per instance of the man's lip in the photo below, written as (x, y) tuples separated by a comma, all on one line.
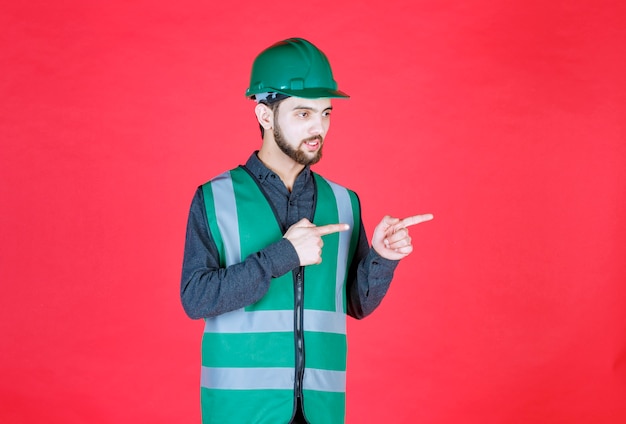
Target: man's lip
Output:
[(315, 141), (312, 145)]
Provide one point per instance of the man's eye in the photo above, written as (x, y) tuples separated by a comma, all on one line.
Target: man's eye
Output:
[(303, 114)]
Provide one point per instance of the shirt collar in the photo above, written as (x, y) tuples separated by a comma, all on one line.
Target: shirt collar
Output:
[(262, 172)]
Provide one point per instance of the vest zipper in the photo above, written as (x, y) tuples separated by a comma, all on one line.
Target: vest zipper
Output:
[(299, 332)]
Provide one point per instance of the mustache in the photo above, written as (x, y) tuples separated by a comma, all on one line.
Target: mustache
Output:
[(316, 137)]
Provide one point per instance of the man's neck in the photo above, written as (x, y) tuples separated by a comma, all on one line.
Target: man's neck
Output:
[(282, 165)]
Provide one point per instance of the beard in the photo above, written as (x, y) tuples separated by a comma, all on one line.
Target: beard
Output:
[(296, 154)]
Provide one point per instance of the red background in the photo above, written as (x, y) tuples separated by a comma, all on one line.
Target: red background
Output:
[(504, 119)]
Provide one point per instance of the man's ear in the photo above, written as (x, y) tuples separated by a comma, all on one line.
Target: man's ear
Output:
[(264, 115)]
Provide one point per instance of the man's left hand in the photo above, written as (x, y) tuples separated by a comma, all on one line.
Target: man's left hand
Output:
[(391, 238)]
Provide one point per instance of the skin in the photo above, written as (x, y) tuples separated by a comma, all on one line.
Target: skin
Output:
[(293, 138)]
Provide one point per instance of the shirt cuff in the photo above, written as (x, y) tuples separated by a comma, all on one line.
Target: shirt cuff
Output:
[(380, 267)]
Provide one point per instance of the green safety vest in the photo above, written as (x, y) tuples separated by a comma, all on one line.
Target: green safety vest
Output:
[(248, 355)]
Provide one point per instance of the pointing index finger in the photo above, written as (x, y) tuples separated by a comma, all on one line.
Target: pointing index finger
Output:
[(331, 228), (412, 220)]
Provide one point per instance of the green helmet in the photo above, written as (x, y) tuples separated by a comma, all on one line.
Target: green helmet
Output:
[(293, 67)]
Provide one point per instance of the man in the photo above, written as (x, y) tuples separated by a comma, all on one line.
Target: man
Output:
[(276, 256)]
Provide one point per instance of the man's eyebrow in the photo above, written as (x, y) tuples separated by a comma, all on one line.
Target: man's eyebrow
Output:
[(310, 108)]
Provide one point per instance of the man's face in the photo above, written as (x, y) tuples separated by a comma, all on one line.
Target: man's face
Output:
[(300, 126)]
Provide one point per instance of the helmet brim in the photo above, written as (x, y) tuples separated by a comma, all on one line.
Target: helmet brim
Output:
[(307, 93)]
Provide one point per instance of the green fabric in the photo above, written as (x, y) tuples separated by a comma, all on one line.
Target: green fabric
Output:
[(325, 213), (245, 350), (324, 407), (246, 406), (257, 229), (324, 351), (323, 358)]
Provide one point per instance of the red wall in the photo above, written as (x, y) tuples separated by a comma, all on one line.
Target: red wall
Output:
[(504, 119)]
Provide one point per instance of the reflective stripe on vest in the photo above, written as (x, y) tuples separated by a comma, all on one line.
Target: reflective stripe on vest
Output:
[(271, 378), (251, 350)]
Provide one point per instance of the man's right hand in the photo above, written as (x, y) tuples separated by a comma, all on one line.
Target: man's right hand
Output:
[(306, 238)]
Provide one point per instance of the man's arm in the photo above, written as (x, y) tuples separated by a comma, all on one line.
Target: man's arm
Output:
[(372, 268), (208, 290), (369, 278)]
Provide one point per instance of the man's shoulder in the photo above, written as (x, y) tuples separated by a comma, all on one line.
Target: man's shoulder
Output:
[(222, 175), (332, 183)]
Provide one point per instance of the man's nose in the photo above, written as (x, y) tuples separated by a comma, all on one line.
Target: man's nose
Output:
[(317, 126)]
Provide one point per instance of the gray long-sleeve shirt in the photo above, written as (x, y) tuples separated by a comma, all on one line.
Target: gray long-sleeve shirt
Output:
[(208, 290)]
